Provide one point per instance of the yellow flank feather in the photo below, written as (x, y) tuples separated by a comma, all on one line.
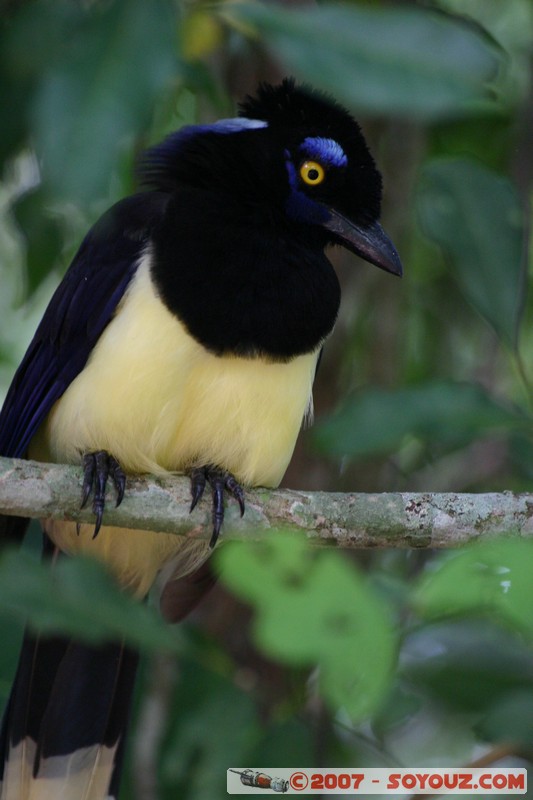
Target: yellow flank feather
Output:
[(158, 401)]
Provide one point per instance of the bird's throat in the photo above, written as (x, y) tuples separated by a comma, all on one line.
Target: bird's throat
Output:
[(243, 290)]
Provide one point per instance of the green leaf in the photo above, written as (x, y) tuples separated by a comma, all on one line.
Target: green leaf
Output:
[(476, 217), (285, 743), (13, 114), (212, 725), (43, 237), (406, 61), (491, 577), (377, 420), (316, 608), (511, 719), (11, 638), (467, 663), (96, 72), (77, 597)]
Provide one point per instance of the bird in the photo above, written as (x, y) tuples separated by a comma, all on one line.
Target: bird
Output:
[(184, 337)]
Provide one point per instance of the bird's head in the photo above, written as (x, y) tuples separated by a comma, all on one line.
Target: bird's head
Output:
[(293, 153)]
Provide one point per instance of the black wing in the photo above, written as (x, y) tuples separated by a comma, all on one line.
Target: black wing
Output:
[(78, 312)]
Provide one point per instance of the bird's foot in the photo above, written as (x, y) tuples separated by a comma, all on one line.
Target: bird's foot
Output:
[(97, 468), (219, 480)]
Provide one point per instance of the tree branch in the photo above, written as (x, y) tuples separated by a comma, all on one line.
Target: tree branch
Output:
[(396, 519)]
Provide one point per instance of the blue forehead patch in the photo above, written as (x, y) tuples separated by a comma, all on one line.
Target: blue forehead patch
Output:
[(172, 144), (327, 151), (234, 125)]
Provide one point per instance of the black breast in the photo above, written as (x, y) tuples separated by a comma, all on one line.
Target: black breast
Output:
[(241, 281)]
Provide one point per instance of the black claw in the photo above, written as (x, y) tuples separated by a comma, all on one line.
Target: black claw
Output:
[(102, 474), (119, 479), (236, 490), (197, 486), (97, 467), (88, 478), (98, 524), (218, 480), (216, 533)]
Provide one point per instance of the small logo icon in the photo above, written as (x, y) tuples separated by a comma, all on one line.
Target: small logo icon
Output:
[(261, 781)]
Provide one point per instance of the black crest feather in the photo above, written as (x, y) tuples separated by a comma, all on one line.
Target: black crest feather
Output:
[(289, 105)]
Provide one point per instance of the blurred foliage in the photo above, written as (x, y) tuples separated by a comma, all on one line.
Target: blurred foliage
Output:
[(458, 204), (62, 599), (446, 414), (426, 383), (382, 60), (302, 622)]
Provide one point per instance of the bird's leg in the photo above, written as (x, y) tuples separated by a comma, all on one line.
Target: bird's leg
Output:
[(97, 468), (219, 480)]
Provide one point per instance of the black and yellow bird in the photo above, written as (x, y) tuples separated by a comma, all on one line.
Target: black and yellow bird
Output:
[(185, 336)]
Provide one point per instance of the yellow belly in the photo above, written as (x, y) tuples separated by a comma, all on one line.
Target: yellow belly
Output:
[(158, 401)]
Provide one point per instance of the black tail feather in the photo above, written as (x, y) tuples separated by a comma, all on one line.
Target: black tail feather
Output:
[(68, 697)]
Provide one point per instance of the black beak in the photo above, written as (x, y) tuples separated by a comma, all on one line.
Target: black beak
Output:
[(370, 242)]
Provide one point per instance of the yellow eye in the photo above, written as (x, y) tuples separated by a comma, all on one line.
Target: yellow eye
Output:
[(312, 173)]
